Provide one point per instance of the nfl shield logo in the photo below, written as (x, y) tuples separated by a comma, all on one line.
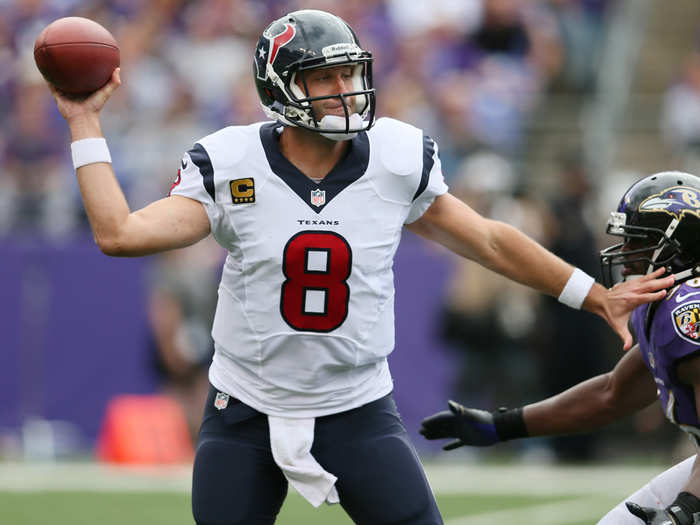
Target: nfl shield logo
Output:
[(221, 400), (318, 197)]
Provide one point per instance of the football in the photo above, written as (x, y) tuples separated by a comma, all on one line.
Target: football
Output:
[(77, 55)]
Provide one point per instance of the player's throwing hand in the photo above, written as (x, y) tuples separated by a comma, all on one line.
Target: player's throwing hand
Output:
[(73, 107)]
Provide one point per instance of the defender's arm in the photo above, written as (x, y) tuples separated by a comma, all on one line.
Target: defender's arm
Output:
[(591, 404)]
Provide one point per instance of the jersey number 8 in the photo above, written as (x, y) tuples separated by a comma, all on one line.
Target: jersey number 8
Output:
[(315, 294)]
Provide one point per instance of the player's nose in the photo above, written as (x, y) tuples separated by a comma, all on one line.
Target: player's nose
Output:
[(342, 84)]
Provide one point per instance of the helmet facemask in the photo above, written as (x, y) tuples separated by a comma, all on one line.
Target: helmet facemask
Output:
[(643, 248), (651, 248), (299, 110)]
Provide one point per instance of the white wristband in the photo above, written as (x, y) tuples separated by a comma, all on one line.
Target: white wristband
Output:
[(576, 289), (89, 151)]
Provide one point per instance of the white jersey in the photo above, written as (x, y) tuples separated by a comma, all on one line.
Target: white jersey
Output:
[(305, 315)]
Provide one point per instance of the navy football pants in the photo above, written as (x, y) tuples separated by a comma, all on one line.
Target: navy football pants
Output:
[(380, 479)]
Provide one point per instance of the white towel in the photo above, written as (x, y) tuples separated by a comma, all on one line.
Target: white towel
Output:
[(291, 440)]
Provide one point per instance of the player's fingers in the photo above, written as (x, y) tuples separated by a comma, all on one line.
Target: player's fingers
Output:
[(648, 283), (656, 273), (647, 298), (637, 511), (101, 95), (112, 85), (628, 341), (424, 429), (623, 331), (456, 408), (453, 445), (98, 99), (432, 433), (427, 425), (436, 426), (57, 95), (657, 283), (436, 418), (651, 297)]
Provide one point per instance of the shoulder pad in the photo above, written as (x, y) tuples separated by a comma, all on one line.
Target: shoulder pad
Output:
[(400, 146), (228, 146)]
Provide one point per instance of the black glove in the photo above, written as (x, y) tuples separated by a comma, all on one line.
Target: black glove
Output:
[(685, 510), (469, 425), (651, 516)]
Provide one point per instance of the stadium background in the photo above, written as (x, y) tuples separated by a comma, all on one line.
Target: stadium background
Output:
[(544, 111)]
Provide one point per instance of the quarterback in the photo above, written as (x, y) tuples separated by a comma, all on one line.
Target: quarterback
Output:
[(311, 206), (659, 220)]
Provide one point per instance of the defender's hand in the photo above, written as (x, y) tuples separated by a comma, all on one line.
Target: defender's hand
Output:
[(617, 303), (469, 425), (650, 516)]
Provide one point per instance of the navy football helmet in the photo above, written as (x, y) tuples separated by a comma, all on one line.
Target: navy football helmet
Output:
[(305, 40), (659, 219)]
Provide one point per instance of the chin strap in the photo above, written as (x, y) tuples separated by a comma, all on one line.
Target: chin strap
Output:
[(336, 122), (687, 274), (680, 276), (667, 235)]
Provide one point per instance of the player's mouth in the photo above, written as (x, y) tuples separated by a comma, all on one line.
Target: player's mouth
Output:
[(636, 268), (338, 108)]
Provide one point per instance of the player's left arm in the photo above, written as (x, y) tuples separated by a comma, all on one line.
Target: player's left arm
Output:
[(587, 406), (506, 250), (685, 510)]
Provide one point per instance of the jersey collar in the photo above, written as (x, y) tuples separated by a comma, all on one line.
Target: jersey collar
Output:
[(350, 168)]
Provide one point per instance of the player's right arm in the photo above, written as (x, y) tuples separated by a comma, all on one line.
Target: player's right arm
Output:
[(591, 404), (173, 222)]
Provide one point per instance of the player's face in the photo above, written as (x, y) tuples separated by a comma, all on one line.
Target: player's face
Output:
[(329, 81), (635, 266)]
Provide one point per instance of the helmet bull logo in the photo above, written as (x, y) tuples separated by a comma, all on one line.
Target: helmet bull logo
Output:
[(275, 42)]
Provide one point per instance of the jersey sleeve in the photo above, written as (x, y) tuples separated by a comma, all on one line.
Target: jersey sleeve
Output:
[(432, 183), (195, 180)]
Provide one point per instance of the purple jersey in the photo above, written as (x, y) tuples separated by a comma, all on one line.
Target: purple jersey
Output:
[(674, 334)]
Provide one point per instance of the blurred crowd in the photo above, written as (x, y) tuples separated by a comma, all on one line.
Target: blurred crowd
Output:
[(469, 72)]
